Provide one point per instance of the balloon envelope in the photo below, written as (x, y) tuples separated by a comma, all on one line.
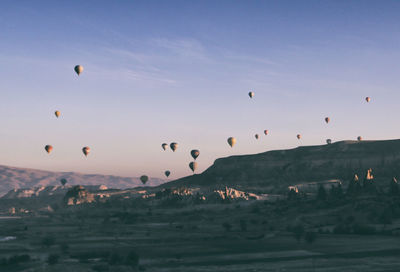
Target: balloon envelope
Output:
[(195, 153), (144, 179), (48, 148), (256, 136), (327, 119), (78, 69), (266, 132), (57, 114), (86, 150), (193, 166), (251, 94), (167, 173), (359, 138), (367, 99), (164, 146), (328, 141), (173, 146), (231, 141), (298, 136)]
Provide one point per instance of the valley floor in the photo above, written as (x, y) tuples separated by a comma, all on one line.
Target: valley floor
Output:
[(244, 236)]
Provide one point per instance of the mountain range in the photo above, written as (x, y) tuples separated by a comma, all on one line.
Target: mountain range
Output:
[(18, 178)]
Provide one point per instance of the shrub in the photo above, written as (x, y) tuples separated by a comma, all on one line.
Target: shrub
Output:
[(227, 226), (48, 241), (53, 259), (132, 259)]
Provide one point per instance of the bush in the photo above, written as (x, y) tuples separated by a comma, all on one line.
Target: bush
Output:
[(16, 259), (115, 259), (53, 259), (310, 237), (227, 226), (243, 225), (64, 248), (48, 241), (132, 259), (298, 232), (100, 268), (363, 229)]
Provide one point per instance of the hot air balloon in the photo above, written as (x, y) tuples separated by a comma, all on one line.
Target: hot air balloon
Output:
[(48, 148), (328, 141), (63, 181), (256, 136), (57, 113), (164, 146), (167, 173), (78, 69), (266, 132), (231, 141), (368, 99), (173, 146), (144, 179), (193, 166), (327, 119), (359, 138), (298, 136), (86, 150), (195, 153), (251, 94)]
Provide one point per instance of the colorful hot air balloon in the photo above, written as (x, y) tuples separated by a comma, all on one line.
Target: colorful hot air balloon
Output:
[(231, 141), (256, 136), (173, 146), (144, 179), (167, 173), (86, 150), (164, 146), (298, 136), (57, 113), (328, 141), (359, 138), (327, 119), (195, 153), (266, 132), (78, 69), (251, 94), (368, 99), (48, 148), (193, 166)]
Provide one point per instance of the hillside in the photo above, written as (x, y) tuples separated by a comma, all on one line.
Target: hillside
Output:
[(275, 170), (17, 178)]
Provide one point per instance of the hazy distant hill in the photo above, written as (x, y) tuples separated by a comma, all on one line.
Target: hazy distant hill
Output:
[(16, 178), (275, 170)]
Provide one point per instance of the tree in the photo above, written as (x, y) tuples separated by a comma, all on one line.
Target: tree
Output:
[(310, 237), (132, 259), (298, 232), (48, 241), (243, 225), (321, 195), (227, 226), (354, 186), (394, 187), (53, 259)]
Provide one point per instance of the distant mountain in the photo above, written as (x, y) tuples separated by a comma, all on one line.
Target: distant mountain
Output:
[(17, 178), (273, 171)]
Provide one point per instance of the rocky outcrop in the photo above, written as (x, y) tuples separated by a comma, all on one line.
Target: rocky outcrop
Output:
[(273, 171), (78, 195)]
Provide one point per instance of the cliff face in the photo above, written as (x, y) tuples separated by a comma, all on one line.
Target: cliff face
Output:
[(275, 170)]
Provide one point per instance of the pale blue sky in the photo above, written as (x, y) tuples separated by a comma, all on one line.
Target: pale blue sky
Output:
[(164, 71)]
